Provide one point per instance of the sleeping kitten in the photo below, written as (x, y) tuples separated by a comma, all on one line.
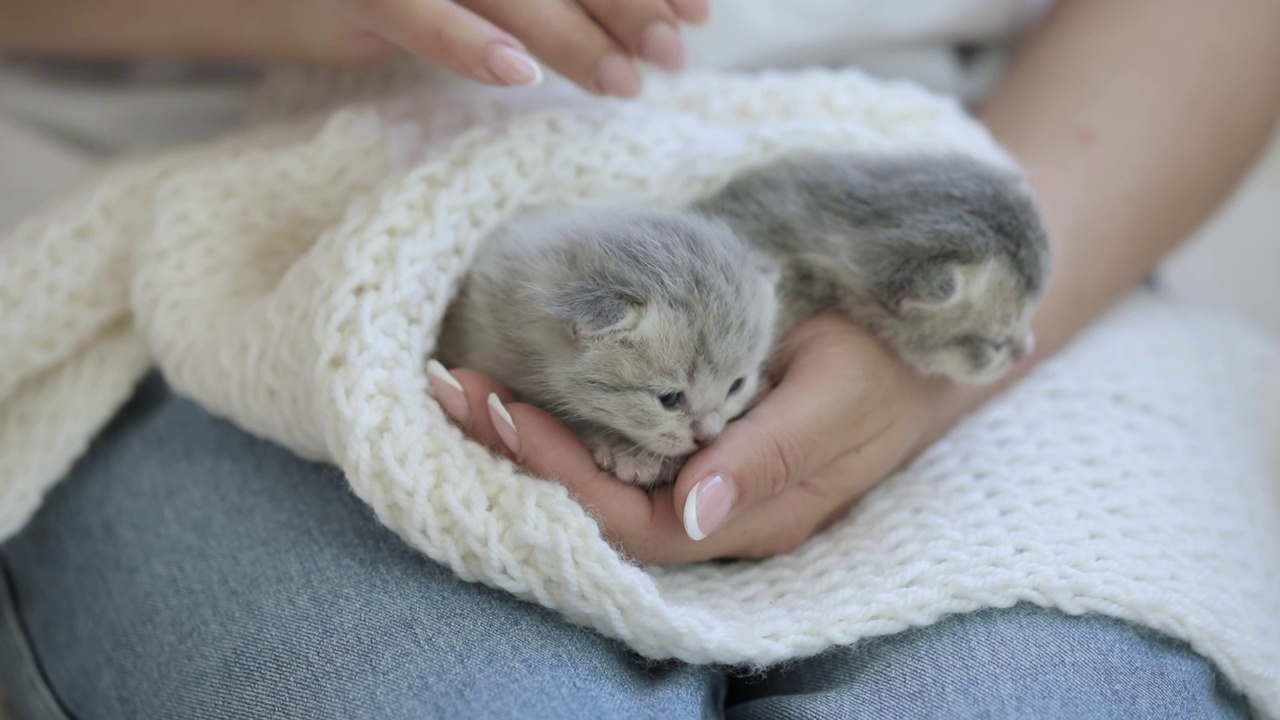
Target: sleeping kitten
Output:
[(944, 257), (644, 330), (647, 330)]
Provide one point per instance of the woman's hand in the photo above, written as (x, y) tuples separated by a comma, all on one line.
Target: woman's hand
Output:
[(594, 43), (591, 42), (844, 413)]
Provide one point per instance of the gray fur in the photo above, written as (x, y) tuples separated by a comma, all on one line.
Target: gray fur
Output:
[(594, 314), (943, 256)]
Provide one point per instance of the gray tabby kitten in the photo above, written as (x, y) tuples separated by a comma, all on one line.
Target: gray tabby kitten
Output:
[(944, 257), (646, 331), (643, 330)]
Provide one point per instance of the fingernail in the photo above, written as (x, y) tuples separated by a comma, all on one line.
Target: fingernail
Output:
[(707, 506), (448, 392), (503, 423), (511, 66), (661, 45), (616, 75)]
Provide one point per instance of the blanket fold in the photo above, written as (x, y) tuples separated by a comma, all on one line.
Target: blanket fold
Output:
[(292, 277)]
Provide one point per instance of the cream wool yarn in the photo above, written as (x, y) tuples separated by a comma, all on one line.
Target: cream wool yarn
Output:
[(291, 278)]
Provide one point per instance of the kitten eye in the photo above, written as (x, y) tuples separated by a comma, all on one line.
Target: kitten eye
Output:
[(671, 400), (736, 386)]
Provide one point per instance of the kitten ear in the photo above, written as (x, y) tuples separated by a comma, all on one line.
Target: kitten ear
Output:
[(593, 311), (927, 287)]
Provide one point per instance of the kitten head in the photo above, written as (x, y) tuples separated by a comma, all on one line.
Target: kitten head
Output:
[(970, 322), (669, 320), (959, 258)]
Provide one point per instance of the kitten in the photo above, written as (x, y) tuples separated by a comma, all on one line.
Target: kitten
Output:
[(644, 330), (944, 257), (647, 330)]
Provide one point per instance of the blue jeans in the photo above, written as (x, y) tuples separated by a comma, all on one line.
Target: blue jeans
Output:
[(187, 570)]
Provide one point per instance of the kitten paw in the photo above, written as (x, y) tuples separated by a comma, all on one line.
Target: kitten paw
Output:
[(628, 465)]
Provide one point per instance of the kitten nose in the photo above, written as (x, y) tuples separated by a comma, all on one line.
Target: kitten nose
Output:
[(707, 428)]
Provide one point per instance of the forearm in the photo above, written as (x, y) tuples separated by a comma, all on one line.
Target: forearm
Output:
[(200, 29), (108, 27), (1135, 120)]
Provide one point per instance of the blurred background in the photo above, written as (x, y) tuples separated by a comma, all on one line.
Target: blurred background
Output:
[(1234, 261)]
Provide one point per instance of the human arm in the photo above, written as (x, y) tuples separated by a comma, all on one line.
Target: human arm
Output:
[(1135, 121), (487, 40)]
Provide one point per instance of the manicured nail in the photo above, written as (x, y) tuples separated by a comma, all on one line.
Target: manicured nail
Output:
[(511, 66), (503, 423), (661, 45), (616, 75), (707, 506), (448, 392)]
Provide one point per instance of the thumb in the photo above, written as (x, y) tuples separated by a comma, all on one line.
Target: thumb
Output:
[(795, 432)]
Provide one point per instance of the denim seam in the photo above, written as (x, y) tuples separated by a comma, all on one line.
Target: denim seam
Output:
[(38, 702)]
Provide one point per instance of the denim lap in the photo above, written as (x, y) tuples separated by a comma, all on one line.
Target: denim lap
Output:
[(187, 570), (1020, 662)]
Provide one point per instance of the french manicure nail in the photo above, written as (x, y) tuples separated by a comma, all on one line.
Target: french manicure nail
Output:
[(660, 44), (448, 392), (511, 66), (503, 423), (707, 506), (617, 75)]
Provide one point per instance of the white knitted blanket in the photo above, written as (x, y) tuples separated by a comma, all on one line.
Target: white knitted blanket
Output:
[(291, 278)]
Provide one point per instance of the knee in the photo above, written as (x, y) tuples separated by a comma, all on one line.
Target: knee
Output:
[(1014, 663)]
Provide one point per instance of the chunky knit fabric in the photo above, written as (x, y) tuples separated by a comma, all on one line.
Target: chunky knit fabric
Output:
[(291, 278)]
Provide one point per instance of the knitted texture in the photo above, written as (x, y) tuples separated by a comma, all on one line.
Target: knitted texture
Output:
[(292, 277)]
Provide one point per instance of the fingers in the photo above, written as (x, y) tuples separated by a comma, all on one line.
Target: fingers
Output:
[(639, 523), (592, 43), (646, 29), (464, 396), (814, 415), (568, 40), (649, 526), (642, 524), (550, 450), (454, 37), (486, 411)]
